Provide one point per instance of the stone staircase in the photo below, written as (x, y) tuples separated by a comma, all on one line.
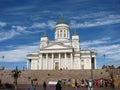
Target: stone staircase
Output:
[(51, 75)]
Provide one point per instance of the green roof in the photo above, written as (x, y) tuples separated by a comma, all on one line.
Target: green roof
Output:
[(62, 21), (44, 35), (75, 33)]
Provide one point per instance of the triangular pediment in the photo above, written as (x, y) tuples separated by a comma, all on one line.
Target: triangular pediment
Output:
[(57, 46)]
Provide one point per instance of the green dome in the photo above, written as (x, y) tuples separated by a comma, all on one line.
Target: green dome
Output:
[(75, 33), (44, 35), (62, 21)]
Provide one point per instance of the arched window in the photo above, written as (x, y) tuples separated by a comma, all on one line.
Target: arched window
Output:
[(57, 34), (64, 33), (60, 33)]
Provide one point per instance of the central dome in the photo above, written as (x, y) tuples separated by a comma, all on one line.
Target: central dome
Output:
[(62, 21), (62, 32)]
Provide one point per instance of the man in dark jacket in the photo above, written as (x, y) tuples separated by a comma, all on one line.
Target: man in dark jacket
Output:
[(44, 85), (58, 85)]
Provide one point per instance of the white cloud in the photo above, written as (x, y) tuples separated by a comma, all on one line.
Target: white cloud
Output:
[(90, 15), (49, 24), (7, 35), (19, 8), (15, 30), (2, 24), (19, 28), (18, 54), (104, 46), (112, 53), (109, 49), (111, 19), (39, 25), (88, 44)]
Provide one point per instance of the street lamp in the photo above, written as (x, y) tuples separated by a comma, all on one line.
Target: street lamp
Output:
[(91, 52), (92, 67), (2, 63), (15, 75), (106, 67)]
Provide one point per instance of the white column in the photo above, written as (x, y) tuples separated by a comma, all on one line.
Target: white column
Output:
[(28, 64), (65, 61), (46, 60), (59, 62), (55, 34), (95, 63), (38, 64), (52, 61), (41, 62), (71, 61), (68, 34), (62, 33)]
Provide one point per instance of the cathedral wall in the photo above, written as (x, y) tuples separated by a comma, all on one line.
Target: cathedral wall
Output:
[(76, 63), (63, 64), (68, 63), (44, 64), (87, 63), (34, 65), (50, 64), (40, 63)]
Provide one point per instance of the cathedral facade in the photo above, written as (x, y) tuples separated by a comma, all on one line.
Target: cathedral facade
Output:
[(62, 53)]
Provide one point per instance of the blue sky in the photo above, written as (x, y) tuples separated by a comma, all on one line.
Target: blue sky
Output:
[(23, 22)]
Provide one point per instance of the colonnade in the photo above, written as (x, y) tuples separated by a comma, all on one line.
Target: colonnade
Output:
[(55, 61), (52, 61)]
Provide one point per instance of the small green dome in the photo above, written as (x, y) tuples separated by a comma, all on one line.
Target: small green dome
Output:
[(75, 33), (44, 35), (62, 21)]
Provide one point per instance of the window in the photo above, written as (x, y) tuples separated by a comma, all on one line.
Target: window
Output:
[(64, 33), (49, 55), (68, 55), (82, 61), (56, 55), (62, 55), (44, 56), (57, 33), (60, 33)]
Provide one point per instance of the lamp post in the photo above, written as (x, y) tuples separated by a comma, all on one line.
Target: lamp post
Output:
[(91, 52), (15, 75), (91, 81), (3, 62), (106, 66)]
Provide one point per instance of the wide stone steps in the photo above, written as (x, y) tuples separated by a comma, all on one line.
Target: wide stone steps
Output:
[(51, 75)]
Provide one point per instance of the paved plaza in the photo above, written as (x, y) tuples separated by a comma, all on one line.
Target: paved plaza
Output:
[(64, 88)]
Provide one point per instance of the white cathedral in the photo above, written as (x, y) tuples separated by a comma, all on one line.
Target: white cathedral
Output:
[(62, 53)]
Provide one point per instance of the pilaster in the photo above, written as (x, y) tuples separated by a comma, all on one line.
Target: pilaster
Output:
[(46, 60), (52, 61), (65, 61), (59, 61), (71, 61)]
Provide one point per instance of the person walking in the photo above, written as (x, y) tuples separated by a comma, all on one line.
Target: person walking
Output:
[(58, 86), (44, 85), (32, 87)]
